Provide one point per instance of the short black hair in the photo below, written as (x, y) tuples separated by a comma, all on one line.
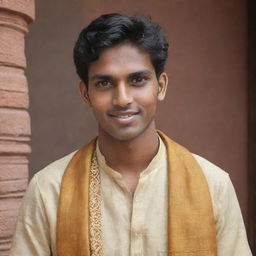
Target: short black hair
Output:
[(112, 29)]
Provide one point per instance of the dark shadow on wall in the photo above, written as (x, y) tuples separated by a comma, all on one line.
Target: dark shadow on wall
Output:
[(252, 124)]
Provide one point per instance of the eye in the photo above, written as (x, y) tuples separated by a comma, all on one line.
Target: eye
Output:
[(139, 80), (104, 84)]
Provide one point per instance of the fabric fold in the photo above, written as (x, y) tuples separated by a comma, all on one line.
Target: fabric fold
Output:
[(191, 226), (72, 236)]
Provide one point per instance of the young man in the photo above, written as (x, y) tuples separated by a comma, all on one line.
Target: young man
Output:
[(132, 190)]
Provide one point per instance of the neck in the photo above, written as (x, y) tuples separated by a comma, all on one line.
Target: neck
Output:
[(129, 156)]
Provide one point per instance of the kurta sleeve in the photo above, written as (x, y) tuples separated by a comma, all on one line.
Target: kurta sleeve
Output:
[(231, 234), (31, 237)]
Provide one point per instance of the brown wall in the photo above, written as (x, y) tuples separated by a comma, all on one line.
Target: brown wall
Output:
[(206, 106)]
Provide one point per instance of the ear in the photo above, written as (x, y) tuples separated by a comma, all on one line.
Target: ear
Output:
[(84, 93), (162, 86)]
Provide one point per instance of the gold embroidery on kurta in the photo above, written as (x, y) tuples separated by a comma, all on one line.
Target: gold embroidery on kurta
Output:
[(95, 209)]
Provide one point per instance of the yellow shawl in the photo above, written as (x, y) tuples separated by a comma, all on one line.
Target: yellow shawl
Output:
[(191, 227)]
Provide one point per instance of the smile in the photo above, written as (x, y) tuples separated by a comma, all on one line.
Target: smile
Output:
[(124, 118)]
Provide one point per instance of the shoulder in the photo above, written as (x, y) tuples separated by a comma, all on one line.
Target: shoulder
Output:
[(213, 174), (50, 177), (218, 180)]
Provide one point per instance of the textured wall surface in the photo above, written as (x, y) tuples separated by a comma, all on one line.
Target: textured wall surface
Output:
[(14, 118), (206, 105)]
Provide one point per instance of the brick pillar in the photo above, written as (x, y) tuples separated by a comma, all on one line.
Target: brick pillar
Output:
[(15, 15)]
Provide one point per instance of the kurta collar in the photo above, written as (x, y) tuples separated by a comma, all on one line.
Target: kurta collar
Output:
[(154, 165)]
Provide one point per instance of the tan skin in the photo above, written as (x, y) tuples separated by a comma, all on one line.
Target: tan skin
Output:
[(123, 92)]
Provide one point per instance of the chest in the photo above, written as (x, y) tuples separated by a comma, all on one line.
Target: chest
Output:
[(136, 222)]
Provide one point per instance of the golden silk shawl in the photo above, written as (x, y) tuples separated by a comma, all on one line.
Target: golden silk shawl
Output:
[(191, 227)]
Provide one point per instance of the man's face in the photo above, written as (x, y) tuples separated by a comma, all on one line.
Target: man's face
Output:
[(123, 91)]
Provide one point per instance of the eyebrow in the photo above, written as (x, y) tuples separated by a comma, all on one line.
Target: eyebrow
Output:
[(108, 77), (140, 73), (101, 76)]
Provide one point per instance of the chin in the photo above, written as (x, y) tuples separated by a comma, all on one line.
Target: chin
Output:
[(126, 134)]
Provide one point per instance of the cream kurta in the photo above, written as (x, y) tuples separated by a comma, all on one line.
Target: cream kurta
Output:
[(131, 225), (138, 222)]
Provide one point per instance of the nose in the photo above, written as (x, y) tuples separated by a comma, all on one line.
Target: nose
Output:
[(122, 95)]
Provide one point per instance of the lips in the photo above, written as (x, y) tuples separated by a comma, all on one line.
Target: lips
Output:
[(123, 114), (123, 117)]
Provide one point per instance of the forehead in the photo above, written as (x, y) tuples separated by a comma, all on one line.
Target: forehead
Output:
[(121, 60)]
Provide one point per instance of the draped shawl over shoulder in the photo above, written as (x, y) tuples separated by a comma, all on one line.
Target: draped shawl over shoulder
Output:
[(191, 227)]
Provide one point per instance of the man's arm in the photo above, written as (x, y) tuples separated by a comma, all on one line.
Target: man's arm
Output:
[(31, 237), (231, 233)]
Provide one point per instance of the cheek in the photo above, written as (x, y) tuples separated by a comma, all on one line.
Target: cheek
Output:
[(147, 98), (99, 102)]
